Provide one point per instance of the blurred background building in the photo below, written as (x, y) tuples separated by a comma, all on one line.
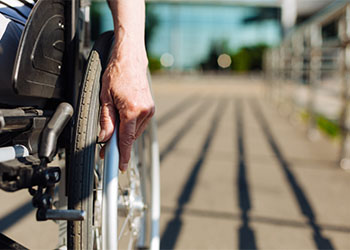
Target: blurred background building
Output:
[(193, 36), (187, 35)]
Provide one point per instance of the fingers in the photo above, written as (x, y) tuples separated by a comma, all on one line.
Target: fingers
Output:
[(126, 137), (134, 105), (129, 130), (107, 121), (102, 152), (141, 126)]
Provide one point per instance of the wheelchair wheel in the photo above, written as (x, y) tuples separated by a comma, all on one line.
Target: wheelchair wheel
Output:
[(137, 192)]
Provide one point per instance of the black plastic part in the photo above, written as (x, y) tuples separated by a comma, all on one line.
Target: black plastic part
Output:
[(41, 214), (26, 173), (23, 126), (43, 201), (17, 174), (103, 46), (53, 129), (46, 177), (30, 137), (55, 214), (38, 65)]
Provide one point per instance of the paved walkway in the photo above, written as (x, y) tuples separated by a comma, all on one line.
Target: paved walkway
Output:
[(235, 174)]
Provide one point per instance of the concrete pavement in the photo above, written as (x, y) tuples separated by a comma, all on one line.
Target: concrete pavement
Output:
[(242, 177), (235, 174)]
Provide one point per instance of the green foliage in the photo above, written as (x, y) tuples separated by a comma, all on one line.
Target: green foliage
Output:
[(327, 126), (216, 49), (305, 116), (249, 58), (154, 64), (101, 18), (152, 21), (245, 59)]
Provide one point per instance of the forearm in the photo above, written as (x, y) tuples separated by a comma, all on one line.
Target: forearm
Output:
[(129, 28), (125, 89)]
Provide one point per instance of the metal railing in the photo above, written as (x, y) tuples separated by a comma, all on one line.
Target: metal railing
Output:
[(309, 72)]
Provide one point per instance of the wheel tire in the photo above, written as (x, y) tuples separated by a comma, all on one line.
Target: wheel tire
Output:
[(81, 194), (80, 191)]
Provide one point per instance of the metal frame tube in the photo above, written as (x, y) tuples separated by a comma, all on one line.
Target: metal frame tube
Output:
[(155, 216), (110, 195), (13, 152)]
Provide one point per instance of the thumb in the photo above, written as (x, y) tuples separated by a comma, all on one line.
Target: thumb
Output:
[(107, 121)]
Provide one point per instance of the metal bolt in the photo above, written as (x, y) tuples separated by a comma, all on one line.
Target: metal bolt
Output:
[(61, 25), (57, 176)]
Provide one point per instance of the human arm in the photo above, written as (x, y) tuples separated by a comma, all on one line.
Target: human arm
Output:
[(125, 86)]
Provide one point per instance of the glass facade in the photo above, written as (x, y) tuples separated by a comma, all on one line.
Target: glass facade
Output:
[(189, 31)]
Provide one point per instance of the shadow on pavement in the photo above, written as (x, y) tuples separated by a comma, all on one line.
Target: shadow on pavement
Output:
[(16, 215), (7, 243), (246, 233), (172, 230), (203, 213), (177, 109), (185, 129), (302, 200)]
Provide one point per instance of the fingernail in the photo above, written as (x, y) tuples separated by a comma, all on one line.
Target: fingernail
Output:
[(123, 167), (102, 136), (102, 154)]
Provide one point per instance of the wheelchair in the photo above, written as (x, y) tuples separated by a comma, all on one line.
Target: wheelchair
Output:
[(51, 111)]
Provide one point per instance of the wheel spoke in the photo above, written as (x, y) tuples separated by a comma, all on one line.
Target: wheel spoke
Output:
[(124, 226), (122, 194), (131, 241), (98, 239), (130, 188)]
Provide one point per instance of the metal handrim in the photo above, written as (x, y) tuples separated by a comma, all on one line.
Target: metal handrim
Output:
[(130, 205)]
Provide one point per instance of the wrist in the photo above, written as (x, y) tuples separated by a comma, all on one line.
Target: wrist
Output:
[(129, 48), (125, 58)]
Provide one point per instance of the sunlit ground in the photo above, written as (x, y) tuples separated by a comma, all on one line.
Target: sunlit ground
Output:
[(235, 174)]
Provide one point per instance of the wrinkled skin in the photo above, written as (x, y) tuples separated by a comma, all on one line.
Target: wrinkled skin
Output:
[(125, 86)]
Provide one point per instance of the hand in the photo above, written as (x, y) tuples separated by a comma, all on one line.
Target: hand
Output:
[(125, 90)]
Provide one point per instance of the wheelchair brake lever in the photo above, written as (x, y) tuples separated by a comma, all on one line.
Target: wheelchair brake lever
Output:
[(48, 145), (53, 129)]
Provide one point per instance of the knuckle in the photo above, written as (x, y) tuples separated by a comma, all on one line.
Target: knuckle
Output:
[(148, 109), (132, 106), (145, 112), (127, 116)]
